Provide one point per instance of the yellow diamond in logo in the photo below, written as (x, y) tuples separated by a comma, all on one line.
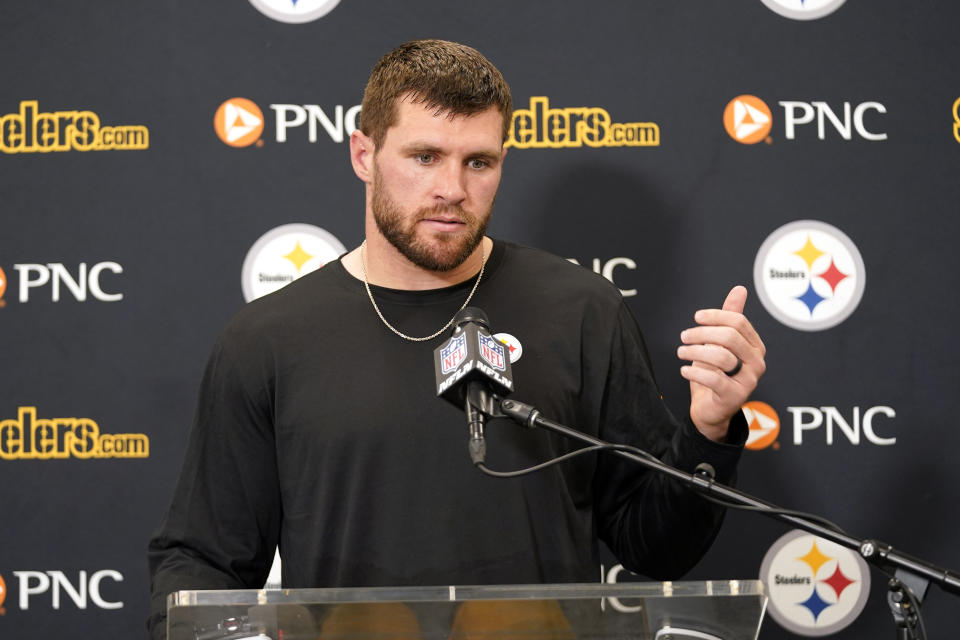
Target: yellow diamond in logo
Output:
[(298, 256), (809, 253), (814, 558)]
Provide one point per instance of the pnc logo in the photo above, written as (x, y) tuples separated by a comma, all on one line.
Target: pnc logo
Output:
[(238, 122), (87, 283), (857, 425), (56, 588), (605, 268), (3, 287), (764, 424), (747, 119), (3, 595)]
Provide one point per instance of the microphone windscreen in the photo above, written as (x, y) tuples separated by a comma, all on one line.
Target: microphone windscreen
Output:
[(471, 314)]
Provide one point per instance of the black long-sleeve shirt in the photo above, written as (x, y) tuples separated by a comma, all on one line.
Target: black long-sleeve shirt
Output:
[(319, 430)]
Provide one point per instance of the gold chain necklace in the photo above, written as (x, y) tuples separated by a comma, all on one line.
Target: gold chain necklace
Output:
[(363, 267)]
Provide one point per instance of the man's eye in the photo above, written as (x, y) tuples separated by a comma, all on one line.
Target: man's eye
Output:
[(478, 164), (424, 158)]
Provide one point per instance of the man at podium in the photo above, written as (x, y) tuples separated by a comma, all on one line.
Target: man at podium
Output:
[(318, 428)]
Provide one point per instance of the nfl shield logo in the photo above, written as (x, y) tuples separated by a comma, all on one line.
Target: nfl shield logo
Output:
[(454, 353), (493, 352)]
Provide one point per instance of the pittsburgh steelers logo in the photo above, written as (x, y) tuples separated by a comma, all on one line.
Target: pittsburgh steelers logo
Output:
[(294, 11), (514, 348), (284, 254), (803, 9), (816, 587), (809, 275)]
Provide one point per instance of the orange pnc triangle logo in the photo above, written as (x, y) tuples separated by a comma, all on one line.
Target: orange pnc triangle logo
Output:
[(764, 424), (238, 122), (747, 119), (3, 288), (3, 594)]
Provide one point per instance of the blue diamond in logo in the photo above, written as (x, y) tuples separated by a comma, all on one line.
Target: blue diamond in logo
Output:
[(815, 604), (811, 298)]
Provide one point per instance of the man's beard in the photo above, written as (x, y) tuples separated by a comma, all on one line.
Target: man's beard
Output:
[(442, 252)]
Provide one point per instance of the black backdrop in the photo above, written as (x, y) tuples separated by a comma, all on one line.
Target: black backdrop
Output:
[(144, 247)]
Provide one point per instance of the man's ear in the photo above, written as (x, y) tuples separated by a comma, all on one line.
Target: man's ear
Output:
[(361, 155)]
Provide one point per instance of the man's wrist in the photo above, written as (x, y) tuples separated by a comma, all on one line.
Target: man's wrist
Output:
[(715, 432)]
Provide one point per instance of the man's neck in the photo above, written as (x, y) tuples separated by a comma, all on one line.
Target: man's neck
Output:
[(387, 267)]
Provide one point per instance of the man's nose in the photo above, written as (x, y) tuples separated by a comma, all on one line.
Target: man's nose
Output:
[(450, 184)]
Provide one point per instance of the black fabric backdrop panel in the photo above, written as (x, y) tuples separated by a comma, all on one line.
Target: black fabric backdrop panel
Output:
[(169, 226)]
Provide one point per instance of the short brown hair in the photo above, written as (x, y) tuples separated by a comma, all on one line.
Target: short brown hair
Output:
[(450, 77)]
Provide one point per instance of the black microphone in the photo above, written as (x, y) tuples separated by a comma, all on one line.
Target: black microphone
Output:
[(472, 371)]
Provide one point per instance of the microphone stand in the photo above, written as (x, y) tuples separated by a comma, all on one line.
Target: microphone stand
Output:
[(911, 576)]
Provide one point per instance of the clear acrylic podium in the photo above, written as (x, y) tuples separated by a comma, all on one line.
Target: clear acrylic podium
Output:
[(713, 610)]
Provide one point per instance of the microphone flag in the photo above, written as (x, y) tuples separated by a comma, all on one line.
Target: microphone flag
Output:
[(471, 354)]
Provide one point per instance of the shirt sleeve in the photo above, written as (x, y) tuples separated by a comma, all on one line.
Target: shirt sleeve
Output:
[(223, 524), (652, 523)]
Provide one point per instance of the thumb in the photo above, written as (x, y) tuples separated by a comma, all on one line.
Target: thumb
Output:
[(736, 299)]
